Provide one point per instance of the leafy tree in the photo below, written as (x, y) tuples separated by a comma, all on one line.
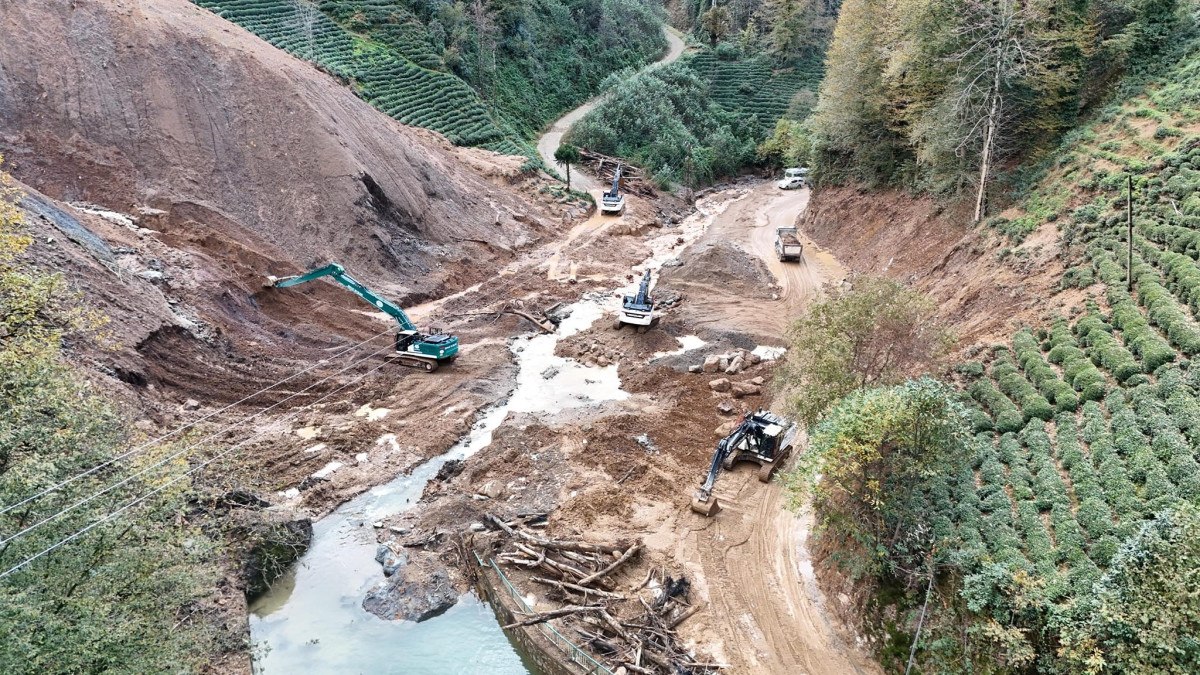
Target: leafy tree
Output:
[(566, 155), (717, 23), (879, 332), (1143, 616), (789, 145), (868, 468)]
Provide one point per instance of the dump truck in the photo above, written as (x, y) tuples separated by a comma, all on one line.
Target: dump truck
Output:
[(787, 246)]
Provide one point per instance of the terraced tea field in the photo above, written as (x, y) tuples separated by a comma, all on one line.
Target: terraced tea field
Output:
[(1090, 425), (753, 87), (401, 84)]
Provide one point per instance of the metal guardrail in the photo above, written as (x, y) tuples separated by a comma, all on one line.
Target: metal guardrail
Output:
[(572, 651)]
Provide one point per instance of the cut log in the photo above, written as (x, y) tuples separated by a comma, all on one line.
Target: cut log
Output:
[(577, 588), (629, 553)]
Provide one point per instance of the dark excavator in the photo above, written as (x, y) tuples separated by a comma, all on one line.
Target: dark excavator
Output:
[(763, 438), (413, 348)]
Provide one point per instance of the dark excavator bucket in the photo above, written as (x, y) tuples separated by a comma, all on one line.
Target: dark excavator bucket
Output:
[(708, 509)]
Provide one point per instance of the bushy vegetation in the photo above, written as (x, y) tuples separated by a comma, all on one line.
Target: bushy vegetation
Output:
[(705, 116), (483, 73), (127, 595), (936, 95), (878, 333)]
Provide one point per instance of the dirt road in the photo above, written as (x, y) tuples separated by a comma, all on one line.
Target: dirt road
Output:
[(550, 140), (764, 601), (754, 308)]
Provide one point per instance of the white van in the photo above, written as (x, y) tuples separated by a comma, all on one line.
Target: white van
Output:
[(793, 178)]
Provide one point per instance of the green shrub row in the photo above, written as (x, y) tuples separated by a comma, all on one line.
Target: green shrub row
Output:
[(1005, 415), (1077, 367), (1164, 311), (1044, 377), (1103, 348), (1016, 387)]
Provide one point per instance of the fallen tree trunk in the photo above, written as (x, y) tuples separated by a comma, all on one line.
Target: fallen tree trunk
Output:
[(554, 614)]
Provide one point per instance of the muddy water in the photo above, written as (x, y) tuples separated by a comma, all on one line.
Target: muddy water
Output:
[(313, 621)]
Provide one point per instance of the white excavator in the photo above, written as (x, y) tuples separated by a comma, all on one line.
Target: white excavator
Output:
[(613, 202), (638, 310)]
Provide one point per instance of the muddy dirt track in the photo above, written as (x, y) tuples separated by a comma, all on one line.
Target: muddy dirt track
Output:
[(749, 565)]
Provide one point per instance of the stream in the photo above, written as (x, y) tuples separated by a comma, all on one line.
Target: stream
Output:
[(312, 618)]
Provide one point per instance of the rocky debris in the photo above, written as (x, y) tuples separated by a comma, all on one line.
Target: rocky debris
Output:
[(731, 364), (720, 385), (667, 298), (726, 407), (418, 590), (757, 380), (549, 373), (391, 561), (449, 470), (191, 404), (697, 368), (740, 389)]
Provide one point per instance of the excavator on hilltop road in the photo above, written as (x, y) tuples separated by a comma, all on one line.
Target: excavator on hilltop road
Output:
[(763, 438), (613, 201), (413, 348)]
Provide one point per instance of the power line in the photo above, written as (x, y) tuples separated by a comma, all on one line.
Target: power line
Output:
[(184, 451), (155, 441), (164, 486)]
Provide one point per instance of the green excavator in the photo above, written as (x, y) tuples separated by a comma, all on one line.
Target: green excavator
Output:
[(413, 348)]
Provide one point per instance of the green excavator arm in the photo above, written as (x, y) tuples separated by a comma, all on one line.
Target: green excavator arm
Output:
[(439, 348)]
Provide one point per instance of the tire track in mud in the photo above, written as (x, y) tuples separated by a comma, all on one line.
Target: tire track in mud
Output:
[(764, 603)]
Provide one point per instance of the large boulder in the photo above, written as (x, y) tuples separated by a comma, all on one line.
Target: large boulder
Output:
[(417, 591)]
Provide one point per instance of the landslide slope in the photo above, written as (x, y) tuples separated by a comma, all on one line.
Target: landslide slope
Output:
[(253, 156), (238, 161)]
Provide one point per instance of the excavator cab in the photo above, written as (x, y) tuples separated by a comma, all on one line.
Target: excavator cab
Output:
[(762, 437)]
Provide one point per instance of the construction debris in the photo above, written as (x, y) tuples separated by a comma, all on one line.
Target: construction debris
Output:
[(628, 626)]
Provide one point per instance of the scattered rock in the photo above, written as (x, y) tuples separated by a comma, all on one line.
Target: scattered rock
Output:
[(191, 404), (711, 363), (721, 384), (478, 527), (549, 373), (735, 366), (757, 380), (492, 489), (741, 389), (392, 562), (151, 275), (361, 458), (753, 359), (726, 407), (697, 368)]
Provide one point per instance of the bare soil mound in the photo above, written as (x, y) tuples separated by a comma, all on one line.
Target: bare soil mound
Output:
[(722, 264)]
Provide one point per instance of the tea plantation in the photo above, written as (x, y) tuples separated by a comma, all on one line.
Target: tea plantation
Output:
[(428, 65), (1087, 427)]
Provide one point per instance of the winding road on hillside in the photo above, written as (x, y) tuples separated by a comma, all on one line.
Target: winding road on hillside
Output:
[(552, 138)]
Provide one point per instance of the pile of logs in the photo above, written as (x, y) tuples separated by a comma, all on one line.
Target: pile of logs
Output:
[(633, 179), (630, 629)]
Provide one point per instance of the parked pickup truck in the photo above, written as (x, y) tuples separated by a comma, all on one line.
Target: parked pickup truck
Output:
[(787, 246)]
